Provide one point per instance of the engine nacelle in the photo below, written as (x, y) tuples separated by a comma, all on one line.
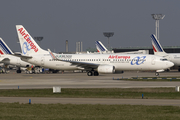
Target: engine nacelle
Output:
[(106, 69)]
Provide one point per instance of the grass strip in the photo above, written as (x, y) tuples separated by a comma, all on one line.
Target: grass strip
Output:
[(16, 111), (149, 93)]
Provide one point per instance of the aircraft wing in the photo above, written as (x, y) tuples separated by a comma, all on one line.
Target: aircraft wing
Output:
[(83, 64), (77, 63)]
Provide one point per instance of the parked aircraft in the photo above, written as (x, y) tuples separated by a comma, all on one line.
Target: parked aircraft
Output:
[(9, 59), (93, 63), (158, 50), (100, 47)]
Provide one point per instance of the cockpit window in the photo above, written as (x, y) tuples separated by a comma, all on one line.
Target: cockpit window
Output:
[(164, 59)]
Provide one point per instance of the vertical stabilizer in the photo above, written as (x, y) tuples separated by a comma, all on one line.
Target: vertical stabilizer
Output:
[(27, 43), (157, 48), (100, 47), (4, 49)]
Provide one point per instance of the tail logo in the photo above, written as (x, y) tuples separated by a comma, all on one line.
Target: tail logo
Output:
[(138, 60), (156, 45), (28, 41), (25, 48)]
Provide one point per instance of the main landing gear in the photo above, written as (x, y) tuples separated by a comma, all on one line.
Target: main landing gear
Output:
[(18, 70), (92, 73)]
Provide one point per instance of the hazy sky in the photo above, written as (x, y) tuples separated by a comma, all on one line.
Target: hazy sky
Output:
[(86, 20)]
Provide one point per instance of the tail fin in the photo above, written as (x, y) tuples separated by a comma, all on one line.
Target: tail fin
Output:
[(157, 48), (100, 47), (27, 43), (4, 49)]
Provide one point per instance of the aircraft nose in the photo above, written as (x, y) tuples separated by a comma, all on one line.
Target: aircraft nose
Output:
[(170, 64)]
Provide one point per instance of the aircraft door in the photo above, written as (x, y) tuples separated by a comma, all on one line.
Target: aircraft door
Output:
[(42, 61), (99, 60), (18, 62), (153, 60)]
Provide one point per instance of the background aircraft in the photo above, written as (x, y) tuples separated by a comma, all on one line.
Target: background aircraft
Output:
[(158, 50), (9, 59), (100, 47), (93, 63)]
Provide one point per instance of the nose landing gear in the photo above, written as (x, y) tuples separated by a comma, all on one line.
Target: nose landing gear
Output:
[(157, 74)]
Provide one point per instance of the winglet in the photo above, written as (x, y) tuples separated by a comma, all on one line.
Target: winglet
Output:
[(52, 55)]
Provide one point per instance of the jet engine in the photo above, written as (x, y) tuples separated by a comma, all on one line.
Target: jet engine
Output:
[(106, 69)]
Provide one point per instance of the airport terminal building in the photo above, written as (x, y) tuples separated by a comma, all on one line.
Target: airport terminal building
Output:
[(147, 50)]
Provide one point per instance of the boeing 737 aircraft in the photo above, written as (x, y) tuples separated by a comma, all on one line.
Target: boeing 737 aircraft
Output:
[(9, 59), (158, 50), (93, 63)]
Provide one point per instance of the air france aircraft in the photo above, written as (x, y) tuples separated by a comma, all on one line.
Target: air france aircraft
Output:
[(158, 50), (9, 59), (93, 63), (100, 47)]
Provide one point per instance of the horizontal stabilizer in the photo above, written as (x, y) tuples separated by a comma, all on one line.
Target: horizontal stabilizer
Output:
[(18, 54), (3, 58)]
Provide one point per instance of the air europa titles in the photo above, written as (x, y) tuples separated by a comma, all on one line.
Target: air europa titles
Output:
[(118, 57), (28, 39)]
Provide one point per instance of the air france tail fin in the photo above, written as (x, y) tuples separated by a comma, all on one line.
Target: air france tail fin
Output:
[(100, 47), (4, 49), (27, 43), (157, 48)]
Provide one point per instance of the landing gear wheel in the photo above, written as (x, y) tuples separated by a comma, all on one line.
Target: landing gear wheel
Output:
[(18, 71), (96, 73), (157, 74), (89, 73)]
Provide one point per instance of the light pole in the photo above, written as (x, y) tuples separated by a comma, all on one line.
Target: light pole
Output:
[(108, 35), (157, 17), (39, 39)]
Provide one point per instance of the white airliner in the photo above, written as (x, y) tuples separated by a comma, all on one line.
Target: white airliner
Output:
[(158, 50), (93, 63), (9, 59)]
